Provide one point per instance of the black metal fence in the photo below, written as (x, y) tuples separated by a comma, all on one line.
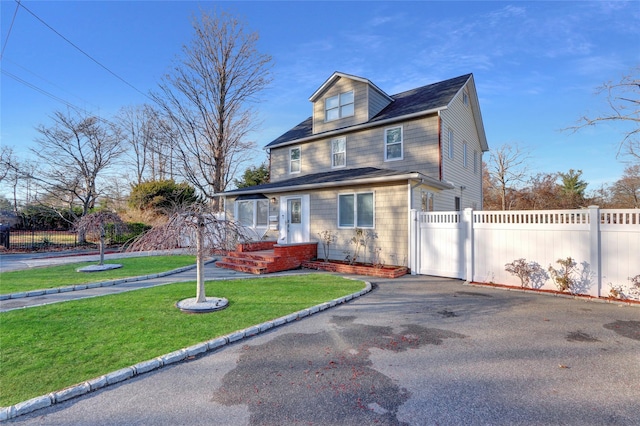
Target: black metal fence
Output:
[(37, 240)]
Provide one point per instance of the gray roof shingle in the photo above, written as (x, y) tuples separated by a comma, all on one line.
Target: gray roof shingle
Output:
[(412, 101), (346, 175)]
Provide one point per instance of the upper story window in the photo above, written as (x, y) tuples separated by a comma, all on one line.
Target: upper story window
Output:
[(393, 143), (465, 97), (339, 152), (450, 142), (339, 106), (475, 162), (253, 213), (464, 154), (295, 160)]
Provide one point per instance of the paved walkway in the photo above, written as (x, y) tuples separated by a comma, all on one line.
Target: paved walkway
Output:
[(211, 272), (415, 351)]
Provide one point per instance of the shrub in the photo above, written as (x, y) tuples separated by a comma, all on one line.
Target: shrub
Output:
[(526, 271), (564, 277)]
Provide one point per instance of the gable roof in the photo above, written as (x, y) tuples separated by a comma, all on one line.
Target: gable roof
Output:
[(335, 178), (336, 76), (422, 100)]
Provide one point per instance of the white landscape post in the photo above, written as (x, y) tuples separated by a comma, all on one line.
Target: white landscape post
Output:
[(200, 293)]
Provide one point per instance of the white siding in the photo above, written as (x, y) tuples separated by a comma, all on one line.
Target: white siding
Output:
[(365, 148), (459, 117)]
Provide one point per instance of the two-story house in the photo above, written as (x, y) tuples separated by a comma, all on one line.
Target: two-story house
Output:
[(364, 159)]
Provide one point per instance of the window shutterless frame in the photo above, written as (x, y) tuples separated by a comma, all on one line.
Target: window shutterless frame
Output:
[(339, 106), (356, 210), (464, 154), (339, 152), (295, 160), (393, 143)]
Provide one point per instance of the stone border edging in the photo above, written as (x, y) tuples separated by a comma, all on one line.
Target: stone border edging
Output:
[(76, 287), (188, 353)]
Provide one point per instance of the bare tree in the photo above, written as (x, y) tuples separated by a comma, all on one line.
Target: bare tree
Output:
[(7, 159), (74, 153), (623, 99), (506, 168), (94, 225), (208, 97), (148, 138), (626, 190)]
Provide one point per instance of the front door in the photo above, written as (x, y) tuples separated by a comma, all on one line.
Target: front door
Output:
[(294, 213), (294, 220)]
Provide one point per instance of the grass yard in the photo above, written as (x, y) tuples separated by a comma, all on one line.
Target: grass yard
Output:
[(64, 275), (48, 348)]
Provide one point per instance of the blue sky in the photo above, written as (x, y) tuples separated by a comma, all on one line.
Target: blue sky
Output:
[(536, 64)]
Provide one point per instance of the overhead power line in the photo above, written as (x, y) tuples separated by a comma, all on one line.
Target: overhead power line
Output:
[(82, 51), (54, 97), (4, 45)]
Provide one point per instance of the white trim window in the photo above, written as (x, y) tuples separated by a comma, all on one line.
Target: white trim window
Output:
[(475, 162), (393, 145), (295, 160), (339, 106), (356, 210), (339, 152), (465, 97), (253, 213), (464, 154), (426, 202), (450, 142)]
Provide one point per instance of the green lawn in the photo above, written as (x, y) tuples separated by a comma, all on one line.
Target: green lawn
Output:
[(64, 275), (48, 348)]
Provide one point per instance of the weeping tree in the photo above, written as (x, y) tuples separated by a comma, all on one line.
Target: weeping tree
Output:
[(195, 228), (94, 226)]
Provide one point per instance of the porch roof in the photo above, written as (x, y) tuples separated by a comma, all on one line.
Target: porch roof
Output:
[(336, 178)]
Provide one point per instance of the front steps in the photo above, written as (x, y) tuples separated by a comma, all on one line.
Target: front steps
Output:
[(266, 257)]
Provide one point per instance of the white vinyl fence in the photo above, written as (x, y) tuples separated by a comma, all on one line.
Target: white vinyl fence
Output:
[(476, 246)]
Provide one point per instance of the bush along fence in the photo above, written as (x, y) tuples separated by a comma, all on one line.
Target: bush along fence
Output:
[(591, 251)]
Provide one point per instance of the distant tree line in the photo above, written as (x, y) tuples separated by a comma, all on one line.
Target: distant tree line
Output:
[(507, 185)]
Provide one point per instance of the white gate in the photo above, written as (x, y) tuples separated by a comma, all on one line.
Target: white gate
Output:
[(438, 245)]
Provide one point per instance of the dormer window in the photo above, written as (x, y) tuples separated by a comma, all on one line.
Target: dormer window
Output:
[(339, 106)]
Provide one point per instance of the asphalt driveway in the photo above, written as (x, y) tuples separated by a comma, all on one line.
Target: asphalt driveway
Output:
[(414, 351)]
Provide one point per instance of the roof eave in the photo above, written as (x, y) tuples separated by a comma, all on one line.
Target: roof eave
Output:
[(359, 127), (426, 180), (338, 74)]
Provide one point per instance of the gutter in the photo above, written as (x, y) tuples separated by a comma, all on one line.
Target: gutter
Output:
[(382, 179), (350, 129)]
